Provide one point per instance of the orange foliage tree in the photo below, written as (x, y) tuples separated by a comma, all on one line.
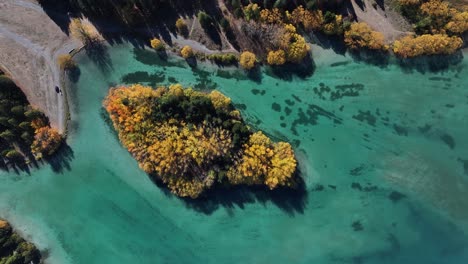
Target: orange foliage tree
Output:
[(46, 141)]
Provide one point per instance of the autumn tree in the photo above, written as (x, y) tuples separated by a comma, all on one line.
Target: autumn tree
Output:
[(309, 20), (277, 57), (46, 141), (251, 12), (157, 44), (458, 23), (181, 27), (411, 46), (360, 35), (271, 16), (295, 46), (84, 31), (247, 60), (186, 52)]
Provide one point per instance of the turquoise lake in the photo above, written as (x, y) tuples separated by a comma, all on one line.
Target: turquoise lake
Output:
[(383, 152)]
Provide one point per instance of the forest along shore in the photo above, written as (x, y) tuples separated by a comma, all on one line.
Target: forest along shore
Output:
[(30, 43)]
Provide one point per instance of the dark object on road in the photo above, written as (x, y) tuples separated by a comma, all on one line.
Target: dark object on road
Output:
[(57, 90)]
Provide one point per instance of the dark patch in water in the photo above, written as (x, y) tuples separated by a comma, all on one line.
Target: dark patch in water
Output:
[(255, 91), (341, 108), (240, 106), (289, 102), (276, 107), (283, 124), (401, 131), (396, 196), (440, 79), (394, 243), (144, 77), (203, 79), (311, 116), (281, 118), (318, 188), (358, 186), (296, 143), (357, 171), (449, 105), (465, 165), (296, 98), (357, 226), (287, 110), (425, 128), (172, 80), (333, 187), (447, 139), (350, 90), (152, 58), (366, 117), (340, 63)]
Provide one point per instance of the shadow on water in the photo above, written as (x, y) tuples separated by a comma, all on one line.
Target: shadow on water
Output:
[(434, 63), (61, 160), (377, 58), (336, 43), (287, 71), (99, 54), (289, 200)]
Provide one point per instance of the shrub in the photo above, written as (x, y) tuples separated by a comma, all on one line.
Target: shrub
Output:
[(157, 44), (182, 27), (247, 60), (66, 62), (186, 52), (224, 59)]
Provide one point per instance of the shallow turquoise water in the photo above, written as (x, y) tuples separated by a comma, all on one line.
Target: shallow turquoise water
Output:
[(382, 151)]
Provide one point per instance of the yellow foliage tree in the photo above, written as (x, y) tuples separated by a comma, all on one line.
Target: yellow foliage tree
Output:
[(157, 44), (84, 31), (251, 11), (186, 52), (247, 60), (360, 35), (310, 20), (264, 162), (458, 23), (277, 57), (335, 27), (294, 44), (271, 16), (411, 46), (181, 27)]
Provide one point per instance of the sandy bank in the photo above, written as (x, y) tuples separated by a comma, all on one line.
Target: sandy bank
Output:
[(30, 43)]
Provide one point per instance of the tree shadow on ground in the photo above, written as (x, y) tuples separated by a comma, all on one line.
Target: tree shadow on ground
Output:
[(434, 63), (127, 21), (336, 43), (61, 159)]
